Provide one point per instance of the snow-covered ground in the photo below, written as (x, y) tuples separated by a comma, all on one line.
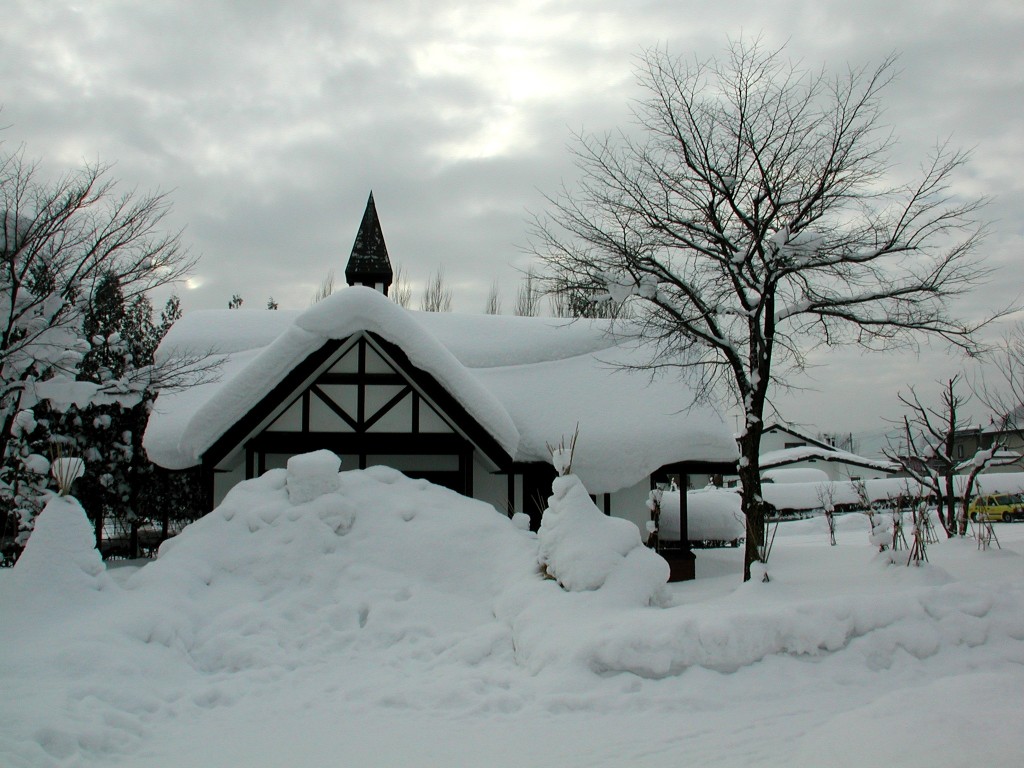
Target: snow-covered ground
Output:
[(393, 623)]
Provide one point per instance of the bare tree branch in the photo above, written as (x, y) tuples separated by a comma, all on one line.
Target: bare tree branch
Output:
[(755, 218)]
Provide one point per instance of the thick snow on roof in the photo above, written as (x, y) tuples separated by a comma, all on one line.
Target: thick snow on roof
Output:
[(629, 424), (183, 427), (527, 381), (805, 452), (795, 475)]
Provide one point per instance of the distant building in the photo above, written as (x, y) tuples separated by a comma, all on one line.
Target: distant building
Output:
[(784, 446), (1008, 434)]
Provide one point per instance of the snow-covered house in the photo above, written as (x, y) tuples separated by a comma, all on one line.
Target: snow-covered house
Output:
[(786, 448), (1006, 437), (470, 402)]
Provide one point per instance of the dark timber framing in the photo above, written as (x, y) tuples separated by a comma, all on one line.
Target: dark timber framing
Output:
[(460, 438)]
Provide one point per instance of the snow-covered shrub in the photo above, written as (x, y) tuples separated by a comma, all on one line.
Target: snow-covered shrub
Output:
[(311, 475), (583, 549), (561, 454), (60, 564), (881, 529)]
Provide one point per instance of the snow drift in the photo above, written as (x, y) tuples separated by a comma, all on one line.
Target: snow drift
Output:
[(389, 611)]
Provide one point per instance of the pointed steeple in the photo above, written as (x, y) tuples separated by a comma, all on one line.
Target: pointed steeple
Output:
[(368, 263)]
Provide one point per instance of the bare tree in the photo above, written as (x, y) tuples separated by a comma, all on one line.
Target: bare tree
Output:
[(571, 301), (493, 304), (1002, 391), (528, 296), (326, 288), (437, 296), (755, 219), (926, 450), (400, 291)]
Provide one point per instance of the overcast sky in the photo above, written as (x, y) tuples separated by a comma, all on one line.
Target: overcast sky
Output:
[(269, 123)]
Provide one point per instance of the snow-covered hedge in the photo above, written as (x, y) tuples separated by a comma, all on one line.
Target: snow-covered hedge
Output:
[(803, 497), (713, 514)]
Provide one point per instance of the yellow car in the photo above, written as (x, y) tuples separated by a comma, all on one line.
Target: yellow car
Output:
[(1004, 506)]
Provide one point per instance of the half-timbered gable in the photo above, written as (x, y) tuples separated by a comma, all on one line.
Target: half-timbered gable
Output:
[(362, 398)]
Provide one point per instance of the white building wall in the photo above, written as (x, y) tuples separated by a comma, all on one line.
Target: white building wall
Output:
[(631, 503), (225, 481), (492, 488)]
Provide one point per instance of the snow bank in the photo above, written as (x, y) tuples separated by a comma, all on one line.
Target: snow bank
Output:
[(584, 549), (393, 612), (713, 514), (808, 496)]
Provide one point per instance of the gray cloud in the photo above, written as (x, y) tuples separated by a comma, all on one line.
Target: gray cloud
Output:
[(269, 122)]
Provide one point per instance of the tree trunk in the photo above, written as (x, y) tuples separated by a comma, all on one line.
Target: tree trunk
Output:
[(753, 504), (950, 500)]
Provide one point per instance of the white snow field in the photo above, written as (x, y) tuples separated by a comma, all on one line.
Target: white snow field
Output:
[(394, 623)]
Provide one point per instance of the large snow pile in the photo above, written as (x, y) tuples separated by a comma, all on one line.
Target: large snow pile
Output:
[(584, 549), (712, 514), (392, 622)]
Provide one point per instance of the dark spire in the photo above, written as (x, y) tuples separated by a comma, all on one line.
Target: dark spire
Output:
[(369, 264)]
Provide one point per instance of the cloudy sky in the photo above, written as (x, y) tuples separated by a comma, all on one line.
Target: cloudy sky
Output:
[(269, 123)]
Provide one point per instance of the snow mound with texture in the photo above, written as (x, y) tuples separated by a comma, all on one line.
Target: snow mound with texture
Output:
[(395, 622), (311, 475)]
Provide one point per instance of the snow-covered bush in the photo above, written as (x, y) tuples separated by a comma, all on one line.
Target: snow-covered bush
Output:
[(311, 475), (60, 564), (583, 549)]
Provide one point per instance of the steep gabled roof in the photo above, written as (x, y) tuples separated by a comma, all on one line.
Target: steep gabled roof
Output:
[(180, 433)]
